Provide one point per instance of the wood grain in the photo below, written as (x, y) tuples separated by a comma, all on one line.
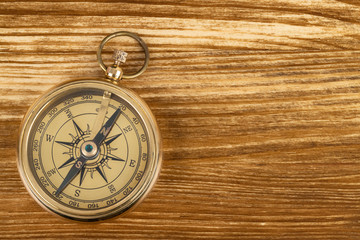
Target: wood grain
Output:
[(258, 104)]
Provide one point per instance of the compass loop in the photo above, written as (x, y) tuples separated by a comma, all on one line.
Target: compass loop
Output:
[(119, 34)]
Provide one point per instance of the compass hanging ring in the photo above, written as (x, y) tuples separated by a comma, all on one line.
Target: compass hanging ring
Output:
[(114, 72)]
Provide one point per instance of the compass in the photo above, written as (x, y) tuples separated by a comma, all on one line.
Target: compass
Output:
[(90, 149)]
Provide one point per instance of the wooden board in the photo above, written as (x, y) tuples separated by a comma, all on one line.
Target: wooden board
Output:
[(257, 101)]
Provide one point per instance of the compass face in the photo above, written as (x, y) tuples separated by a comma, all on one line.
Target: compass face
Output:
[(60, 131)]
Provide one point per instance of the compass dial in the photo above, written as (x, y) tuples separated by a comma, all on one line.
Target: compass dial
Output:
[(60, 130)]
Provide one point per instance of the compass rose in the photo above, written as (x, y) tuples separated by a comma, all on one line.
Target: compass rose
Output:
[(94, 165)]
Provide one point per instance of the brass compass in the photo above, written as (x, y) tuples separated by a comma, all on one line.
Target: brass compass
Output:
[(90, 149)]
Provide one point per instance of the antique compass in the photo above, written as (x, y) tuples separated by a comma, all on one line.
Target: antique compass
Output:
[(90, 149)]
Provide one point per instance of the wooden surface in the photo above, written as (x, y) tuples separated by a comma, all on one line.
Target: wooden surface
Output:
[(258, 104)]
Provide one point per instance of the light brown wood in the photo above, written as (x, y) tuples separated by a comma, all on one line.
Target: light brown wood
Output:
[(258, 104)]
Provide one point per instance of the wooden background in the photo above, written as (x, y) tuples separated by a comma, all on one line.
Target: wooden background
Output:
[(258, 103)]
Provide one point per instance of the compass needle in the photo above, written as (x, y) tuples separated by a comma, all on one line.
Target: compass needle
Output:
[(71, 174)]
